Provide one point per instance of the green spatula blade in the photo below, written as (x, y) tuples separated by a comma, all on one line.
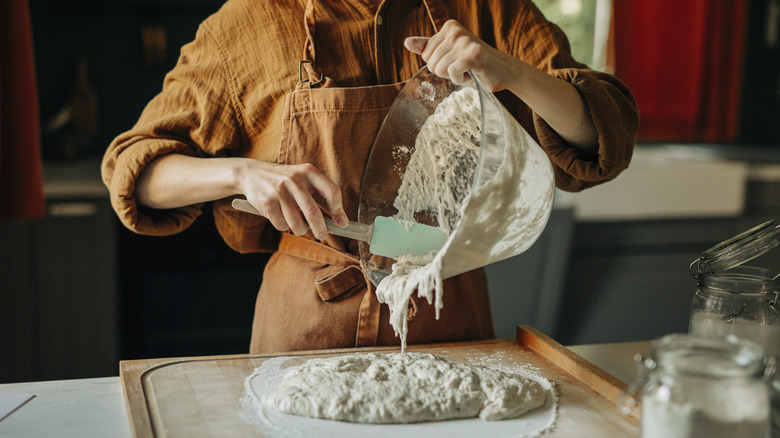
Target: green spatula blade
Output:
[(393, 238), (389, 237)]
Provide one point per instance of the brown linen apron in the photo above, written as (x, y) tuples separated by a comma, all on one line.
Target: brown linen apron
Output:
[(314, 294)]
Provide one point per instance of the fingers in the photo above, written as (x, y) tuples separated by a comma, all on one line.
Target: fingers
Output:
[(304, 181), (452, 65), (310, 181), (293, 203), (331, 193), (273, 212), (416, 44), (285, 195), (280, 208), (458, 71), (452, 52)]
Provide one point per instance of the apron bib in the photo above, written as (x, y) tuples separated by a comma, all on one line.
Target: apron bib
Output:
[(314, 293)]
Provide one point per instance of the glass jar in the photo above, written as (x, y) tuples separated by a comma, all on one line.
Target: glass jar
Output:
[(735, 299), (742, 302), (704, 387)]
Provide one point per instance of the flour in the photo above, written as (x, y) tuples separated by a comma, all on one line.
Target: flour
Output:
[(427, 91), (663, 419), (502, 217), (713, 325), (391, 388)]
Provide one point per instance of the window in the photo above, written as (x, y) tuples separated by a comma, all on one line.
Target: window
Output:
[(586, 24)]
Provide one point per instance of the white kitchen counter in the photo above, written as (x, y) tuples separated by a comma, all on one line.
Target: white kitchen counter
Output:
[(678, 181), (87, 408), (68, 408)]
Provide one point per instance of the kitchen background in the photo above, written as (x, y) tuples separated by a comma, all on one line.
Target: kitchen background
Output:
[(78, 292)]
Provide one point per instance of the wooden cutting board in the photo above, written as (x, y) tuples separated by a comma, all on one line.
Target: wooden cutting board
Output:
[(200, 396)]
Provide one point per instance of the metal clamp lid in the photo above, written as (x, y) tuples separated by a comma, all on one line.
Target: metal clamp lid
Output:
[(629, 399), (737, 250)]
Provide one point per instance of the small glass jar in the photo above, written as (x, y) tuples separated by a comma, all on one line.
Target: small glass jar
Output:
[(742, 302), (704, 387), (736, 299)]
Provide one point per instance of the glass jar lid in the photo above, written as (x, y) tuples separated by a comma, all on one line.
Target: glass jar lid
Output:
[(737, 250)]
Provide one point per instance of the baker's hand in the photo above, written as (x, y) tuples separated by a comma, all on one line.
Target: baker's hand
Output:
[(285, 195), (453, 51)]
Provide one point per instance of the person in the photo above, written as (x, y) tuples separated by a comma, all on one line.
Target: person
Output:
[(279, 101)]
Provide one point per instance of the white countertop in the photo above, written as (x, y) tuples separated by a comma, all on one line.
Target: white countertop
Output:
[(68, 408), (87, 408), (665, 182), (678, 181)]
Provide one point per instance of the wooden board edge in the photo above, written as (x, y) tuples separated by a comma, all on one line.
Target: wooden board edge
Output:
[(135, 400), (594, 377)]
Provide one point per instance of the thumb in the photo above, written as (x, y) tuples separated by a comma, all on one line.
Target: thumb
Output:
[(335, 210), (338, 215), (416, 44)]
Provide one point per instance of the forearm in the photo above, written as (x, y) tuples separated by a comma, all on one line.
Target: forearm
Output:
[(174, 180), (557, 102), (281, 193), (454, 50)]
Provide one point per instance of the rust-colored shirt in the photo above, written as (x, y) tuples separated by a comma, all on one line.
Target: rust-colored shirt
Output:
[(225, 96)]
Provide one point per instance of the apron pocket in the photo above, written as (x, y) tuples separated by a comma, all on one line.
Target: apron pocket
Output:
[(343, 281)]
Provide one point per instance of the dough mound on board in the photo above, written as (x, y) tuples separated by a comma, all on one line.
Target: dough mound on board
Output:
[(392, 388)]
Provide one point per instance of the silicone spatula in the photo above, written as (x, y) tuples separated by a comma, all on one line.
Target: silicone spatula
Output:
[(387, 237)]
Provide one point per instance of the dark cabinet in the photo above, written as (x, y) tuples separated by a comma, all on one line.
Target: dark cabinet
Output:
[(186, 295), (79, 292), (59, 309)]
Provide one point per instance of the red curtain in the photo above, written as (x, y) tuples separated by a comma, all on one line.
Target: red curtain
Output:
[(683, 62), (21, 180)]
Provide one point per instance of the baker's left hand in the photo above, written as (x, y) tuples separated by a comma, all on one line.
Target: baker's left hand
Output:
[(453, 51)]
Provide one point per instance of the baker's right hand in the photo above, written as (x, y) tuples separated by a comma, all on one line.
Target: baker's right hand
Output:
[(284, 193)]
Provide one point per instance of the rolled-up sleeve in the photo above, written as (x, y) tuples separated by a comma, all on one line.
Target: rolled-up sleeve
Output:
[(609, 102), (193, 115), (616, 119)]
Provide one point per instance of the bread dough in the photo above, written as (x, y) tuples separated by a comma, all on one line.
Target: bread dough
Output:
[(397, 388)]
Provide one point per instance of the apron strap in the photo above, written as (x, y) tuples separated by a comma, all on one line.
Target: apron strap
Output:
[(312, 250), (437, 12), (307, 61), (351, 277), (348, 278)]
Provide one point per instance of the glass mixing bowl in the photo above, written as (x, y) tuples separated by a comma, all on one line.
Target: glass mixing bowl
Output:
[(510, 164)]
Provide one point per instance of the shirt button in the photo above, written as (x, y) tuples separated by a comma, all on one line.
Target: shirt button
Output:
[(379, 20)]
